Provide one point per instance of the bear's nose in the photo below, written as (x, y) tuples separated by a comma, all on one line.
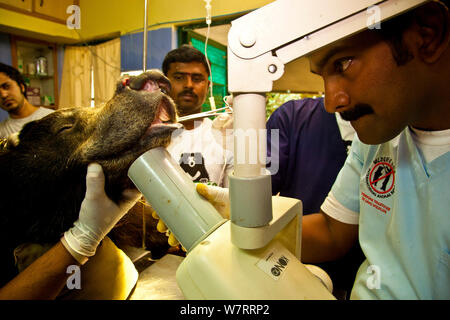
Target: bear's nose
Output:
[(150, 86)]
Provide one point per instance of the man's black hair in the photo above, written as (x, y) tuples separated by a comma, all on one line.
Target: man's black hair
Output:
[(15, 75), (393, 30), (185, 53)]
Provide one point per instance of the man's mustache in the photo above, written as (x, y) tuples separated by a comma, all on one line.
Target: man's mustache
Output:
[(357, 112), (190, 92)]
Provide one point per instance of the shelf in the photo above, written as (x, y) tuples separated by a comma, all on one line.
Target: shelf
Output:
[(27, 51)]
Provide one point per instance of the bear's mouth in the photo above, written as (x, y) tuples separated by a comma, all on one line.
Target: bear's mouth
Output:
[(165, 115), (165, 120)]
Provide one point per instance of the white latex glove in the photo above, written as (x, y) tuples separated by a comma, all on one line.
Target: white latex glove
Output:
[(223, 122), (217, 196), (222, 130), (98, 215)]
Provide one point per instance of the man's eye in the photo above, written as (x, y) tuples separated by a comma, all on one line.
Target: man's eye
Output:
[(178, 77), (342, 64), (198, 79)]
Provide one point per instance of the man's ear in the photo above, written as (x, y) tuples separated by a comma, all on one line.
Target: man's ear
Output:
[(22, 89), (434, 31)]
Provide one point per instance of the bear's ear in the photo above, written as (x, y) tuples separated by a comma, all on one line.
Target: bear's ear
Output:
[(13, 140), (9, 143), (122, 83), (3, 144)]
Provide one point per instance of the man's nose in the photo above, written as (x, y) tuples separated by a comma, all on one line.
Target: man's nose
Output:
[(3, 93), (188, 82), (335, 97)]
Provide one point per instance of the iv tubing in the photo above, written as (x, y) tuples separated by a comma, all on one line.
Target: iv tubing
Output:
[(144, 47)]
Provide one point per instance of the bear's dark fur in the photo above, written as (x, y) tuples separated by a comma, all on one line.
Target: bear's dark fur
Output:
[(43, 176)]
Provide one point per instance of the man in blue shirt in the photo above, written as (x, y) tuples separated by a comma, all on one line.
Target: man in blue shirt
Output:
[(311, 149)]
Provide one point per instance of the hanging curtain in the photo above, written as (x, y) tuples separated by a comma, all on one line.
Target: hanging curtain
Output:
[(76, 78), (106, 65)]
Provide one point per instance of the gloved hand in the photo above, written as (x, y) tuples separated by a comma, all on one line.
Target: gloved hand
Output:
[(98, 215), (222, 127), (217, 196), (161, 227), (223, 122)]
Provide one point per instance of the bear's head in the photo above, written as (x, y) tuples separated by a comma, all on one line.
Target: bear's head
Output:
[(43, 175)]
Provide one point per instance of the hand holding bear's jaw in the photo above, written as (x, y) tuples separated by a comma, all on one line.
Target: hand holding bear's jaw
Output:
[(98, 215)]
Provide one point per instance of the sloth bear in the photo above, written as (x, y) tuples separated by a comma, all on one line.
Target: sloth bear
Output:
[(43, 173)]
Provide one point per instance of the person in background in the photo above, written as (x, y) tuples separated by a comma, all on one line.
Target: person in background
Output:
[(311, 149), (198, 148), (13, 100)]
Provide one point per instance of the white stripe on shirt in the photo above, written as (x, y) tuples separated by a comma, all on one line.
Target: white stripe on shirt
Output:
[(333, 208)]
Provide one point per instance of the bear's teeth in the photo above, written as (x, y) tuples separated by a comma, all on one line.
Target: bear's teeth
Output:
[(163, 115)]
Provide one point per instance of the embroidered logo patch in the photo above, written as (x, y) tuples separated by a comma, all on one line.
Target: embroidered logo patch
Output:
[(380, 180), (380, 177)]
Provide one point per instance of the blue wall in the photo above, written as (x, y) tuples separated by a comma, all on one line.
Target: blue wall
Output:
[(159, 42), (5, 49)]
